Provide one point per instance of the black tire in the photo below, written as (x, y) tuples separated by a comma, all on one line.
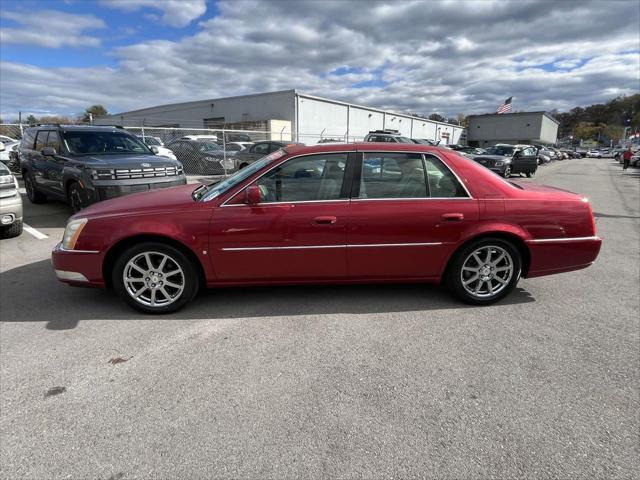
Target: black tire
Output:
[(243, 165), (455, 274), (507, 172), (77, 197), (13, 230), (33, 194), (189, 276), (531, 174)]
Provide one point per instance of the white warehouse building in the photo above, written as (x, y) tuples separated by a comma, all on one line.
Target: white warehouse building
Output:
[(289, 115)]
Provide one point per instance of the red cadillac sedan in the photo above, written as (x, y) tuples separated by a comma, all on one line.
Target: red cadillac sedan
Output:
[(336, 213)]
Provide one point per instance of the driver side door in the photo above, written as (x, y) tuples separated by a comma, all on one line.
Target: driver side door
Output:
[(296, 232)]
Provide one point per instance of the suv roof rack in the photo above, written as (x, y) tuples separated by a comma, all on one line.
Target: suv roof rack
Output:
[(388, 131)]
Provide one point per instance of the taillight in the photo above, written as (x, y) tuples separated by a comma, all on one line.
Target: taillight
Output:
[(593, 218)]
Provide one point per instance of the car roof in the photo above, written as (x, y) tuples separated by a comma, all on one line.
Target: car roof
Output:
[(363, 147)]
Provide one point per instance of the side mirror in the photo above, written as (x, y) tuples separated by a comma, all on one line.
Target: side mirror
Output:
[(155, 150), (252, 195), (517, 153), (48, 152), (2, 148)]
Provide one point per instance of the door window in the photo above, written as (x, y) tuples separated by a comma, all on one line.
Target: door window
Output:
[(442, 182), (314, 177), (41, 139), (53, 141), (393, 175), (260, 149)]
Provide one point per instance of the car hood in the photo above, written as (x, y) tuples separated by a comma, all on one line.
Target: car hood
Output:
[(125, 161), (154, 201)]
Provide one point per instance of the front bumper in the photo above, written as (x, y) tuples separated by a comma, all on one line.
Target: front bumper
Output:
[(557, 255), (78, 267), (11, 206)]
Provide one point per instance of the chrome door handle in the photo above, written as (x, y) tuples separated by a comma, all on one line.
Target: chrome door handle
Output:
[(325, 220)]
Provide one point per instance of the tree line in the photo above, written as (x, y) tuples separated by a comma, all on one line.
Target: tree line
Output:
[(600, 121), (84, 117)]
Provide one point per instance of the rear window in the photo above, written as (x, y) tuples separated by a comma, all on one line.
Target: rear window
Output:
[(28, 138)]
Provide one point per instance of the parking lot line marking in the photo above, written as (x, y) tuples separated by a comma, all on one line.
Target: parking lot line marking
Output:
[(34, 232)]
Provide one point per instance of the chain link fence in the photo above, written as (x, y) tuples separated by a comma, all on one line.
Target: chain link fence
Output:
[(207, 151)]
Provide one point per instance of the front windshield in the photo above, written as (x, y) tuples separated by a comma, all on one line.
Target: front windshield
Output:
[(217, 189), (209, 146), (500, 150), (102, 143)]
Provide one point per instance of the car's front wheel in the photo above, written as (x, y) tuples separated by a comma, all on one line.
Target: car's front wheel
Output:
[(507, 172), (484, 271), (155, 278)]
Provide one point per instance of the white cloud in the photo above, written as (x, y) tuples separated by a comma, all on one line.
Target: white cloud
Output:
[(50, 29), (451, 57), (176, 13)]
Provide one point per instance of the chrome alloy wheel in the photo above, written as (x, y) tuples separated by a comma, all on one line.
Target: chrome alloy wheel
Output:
[(487, 271), (153, 279)]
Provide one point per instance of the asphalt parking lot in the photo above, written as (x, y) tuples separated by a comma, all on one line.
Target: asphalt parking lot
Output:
[(330, 382)]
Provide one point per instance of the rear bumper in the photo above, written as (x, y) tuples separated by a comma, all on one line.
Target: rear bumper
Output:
[(11, 206), (557, 255), (78, 267)]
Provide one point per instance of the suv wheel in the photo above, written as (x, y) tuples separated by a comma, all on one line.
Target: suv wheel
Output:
[(531, 174), (33, 194), (155, 278), (77, 197), (485, 271), (507, 172)]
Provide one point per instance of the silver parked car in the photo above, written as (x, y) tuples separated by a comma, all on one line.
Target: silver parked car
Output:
[(10, 203)]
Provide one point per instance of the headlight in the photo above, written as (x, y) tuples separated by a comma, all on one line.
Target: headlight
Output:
[(72, 233), (102, 174), (499, 163), (4, 179)]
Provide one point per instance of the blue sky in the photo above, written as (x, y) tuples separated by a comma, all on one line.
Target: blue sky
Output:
[(59, 56)]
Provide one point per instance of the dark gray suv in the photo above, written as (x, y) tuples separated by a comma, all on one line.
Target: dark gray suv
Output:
[(86, 164)]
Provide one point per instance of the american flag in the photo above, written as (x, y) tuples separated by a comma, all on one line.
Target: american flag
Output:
[(505, 107)]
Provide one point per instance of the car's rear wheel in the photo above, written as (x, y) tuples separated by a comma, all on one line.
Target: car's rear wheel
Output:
[(485, 271), (33, 194), (530, 174), (155, 278), (77, 197)]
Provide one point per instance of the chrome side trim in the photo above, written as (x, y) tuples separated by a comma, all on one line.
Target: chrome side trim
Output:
[(389, 199), (71, 276), (62, 249), (293, 247), (310, 247), (563, 239), (262, 204), (369, 245)]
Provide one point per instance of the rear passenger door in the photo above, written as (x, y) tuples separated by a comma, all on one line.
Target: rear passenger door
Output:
[(55, 165), (39, 162), (407, 212)]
